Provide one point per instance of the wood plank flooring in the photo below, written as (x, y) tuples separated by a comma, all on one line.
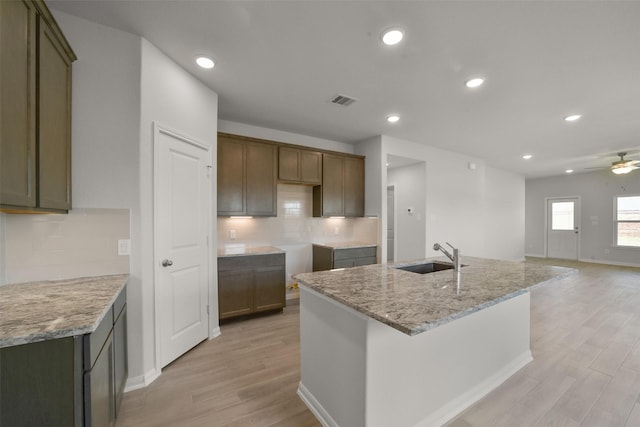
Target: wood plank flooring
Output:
[(585, 339)]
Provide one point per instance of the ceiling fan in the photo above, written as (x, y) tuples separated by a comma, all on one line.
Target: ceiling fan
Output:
[(623, 166)]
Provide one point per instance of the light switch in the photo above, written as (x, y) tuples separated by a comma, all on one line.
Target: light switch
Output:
[(124, 247), (232, 234)]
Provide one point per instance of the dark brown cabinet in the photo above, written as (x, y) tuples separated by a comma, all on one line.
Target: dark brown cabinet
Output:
[(250, 283), (35, 85), (342, 189), (327, 258), (246, 177), (67, 382), (299, 166)]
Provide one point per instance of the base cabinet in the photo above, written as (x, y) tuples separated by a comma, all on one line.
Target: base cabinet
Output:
[(250, 284), (67, 382), (327, 258)]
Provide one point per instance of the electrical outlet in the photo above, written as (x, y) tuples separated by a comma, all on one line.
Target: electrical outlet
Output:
[(232, 234), (124, 247), (336, 231)]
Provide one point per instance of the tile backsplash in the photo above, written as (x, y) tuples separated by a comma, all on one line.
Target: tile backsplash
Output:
[(83, 242), (295, 229)]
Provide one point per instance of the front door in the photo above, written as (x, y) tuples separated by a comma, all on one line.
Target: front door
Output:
[(562, 228), (182, 193)]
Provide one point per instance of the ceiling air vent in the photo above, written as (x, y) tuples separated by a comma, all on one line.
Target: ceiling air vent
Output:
[(343, 100)]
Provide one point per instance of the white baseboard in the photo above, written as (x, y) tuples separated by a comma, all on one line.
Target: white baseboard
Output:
[(455, 407), (215, 333), (600, 261), (141, 381), (535, 255), (315, 407)]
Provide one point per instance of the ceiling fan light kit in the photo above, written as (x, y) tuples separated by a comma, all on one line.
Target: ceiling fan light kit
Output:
[(623, 166)]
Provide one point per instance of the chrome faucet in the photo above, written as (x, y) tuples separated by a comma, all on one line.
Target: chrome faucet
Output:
[(455, 258)]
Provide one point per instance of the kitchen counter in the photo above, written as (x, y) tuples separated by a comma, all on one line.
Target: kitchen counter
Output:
[(39, 311), (346, 245), (239, 250), (413, 303), (367, 330)]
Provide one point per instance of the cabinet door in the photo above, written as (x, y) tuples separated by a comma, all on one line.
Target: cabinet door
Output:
[(54, 136), (120, 357), (289, 164), (231, 175), (235, 293), (261, 168), (353, 187), (17, 104), (344, 263), (269, 288), (310, 167), (332, 185), (99, 382)]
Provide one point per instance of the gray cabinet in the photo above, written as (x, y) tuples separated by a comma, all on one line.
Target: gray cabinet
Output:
[(327, 258), (342, 189), (35, 110), (250, 283), (67, 382)]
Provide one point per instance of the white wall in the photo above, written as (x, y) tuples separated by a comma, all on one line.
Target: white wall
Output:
[(3, 275), (281, 136), (457, 207), (121, 85), (410, 192), (106, 142), (597, 191), (175, 99)]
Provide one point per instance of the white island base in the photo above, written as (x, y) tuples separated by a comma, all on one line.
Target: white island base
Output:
[(357, 371)]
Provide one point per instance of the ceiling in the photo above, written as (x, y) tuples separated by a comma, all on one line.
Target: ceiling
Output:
[(278, 64)]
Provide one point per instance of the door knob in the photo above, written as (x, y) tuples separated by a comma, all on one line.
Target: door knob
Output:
[(167, 263)]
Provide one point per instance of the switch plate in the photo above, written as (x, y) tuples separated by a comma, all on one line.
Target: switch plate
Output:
[(124, 247), (232, 234)]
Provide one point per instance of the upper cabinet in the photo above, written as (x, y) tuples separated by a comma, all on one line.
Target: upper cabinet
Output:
[(35, 110), (246, 176), (299, 166), (342, 189)]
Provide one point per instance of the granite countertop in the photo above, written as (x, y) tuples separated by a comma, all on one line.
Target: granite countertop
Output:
[(240, 250), (39, 311), (346, 245), (414, 303)]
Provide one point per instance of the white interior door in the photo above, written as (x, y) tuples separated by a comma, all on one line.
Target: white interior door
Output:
[(182, 198), (391, 220), (562, 228)]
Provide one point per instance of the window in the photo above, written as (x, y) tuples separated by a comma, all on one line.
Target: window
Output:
[(627, 221), (562, 216)]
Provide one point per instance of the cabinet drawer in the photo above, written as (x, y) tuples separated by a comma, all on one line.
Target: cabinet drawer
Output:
[(250, 262), (364, 261), (367, 252), (94, 342)]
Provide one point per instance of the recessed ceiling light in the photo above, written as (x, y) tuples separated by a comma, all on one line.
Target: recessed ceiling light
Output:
[(573, 117), (392, 36), (472, 83), (205, 62), (527, 156), (569, 171), (393, 118)]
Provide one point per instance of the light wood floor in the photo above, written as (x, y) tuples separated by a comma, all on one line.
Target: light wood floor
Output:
[(585, 339)]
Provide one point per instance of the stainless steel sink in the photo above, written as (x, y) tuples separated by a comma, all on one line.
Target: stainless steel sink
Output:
[(428, 267)]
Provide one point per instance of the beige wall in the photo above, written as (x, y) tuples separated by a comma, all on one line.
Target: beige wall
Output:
[(50, 247)]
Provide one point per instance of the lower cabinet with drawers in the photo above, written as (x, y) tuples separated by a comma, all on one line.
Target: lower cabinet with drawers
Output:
[(250, 283), (67, 382), (327, 257)]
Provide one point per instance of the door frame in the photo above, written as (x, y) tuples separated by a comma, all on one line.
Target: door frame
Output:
[(547, 200), (212, 301)]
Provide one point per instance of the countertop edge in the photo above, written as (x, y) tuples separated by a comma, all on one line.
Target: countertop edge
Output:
[(68, 332)]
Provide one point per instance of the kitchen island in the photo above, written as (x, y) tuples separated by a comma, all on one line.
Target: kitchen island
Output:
[(385, 347)]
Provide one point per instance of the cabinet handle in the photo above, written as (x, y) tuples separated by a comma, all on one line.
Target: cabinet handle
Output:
[(167, 263)]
